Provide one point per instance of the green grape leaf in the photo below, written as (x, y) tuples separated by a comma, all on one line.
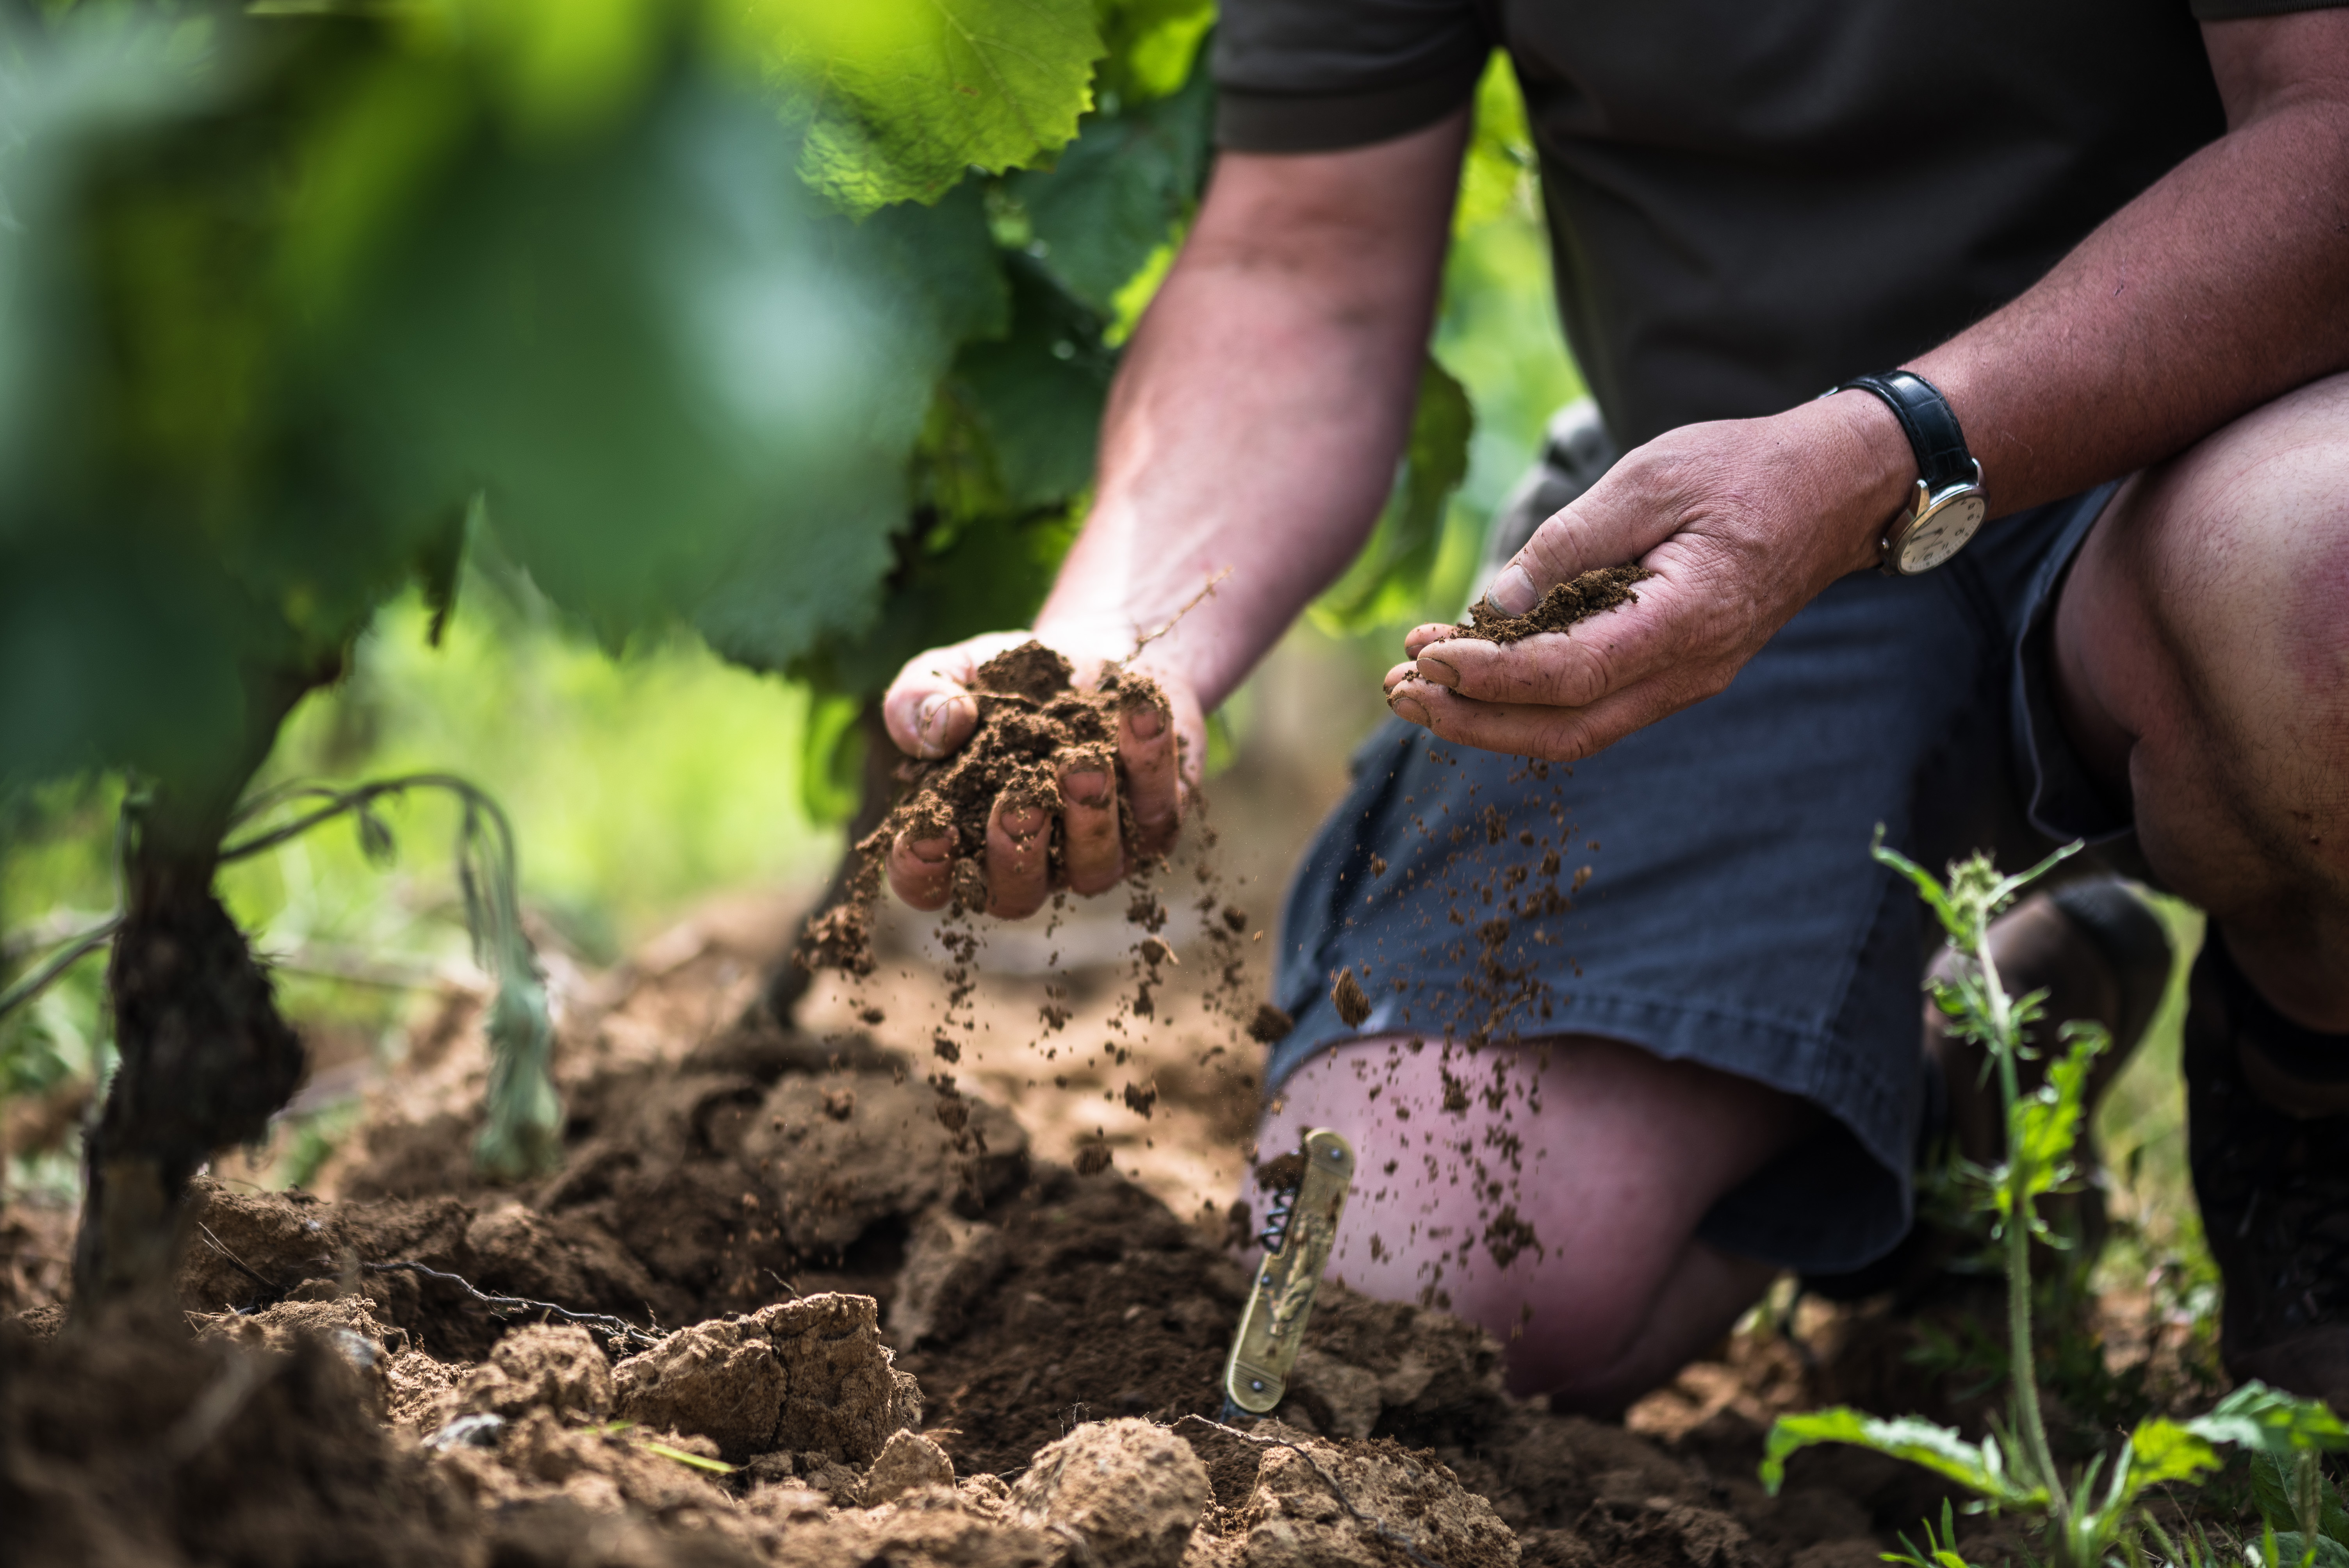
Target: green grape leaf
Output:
[(1036, 395), (1978, 1467), (896, 99), (1390, 575), (815, 573), (1115, 194)]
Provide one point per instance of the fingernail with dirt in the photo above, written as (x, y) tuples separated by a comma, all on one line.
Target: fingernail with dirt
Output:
[(1087, 788), (1409, 707), (932, 851), (1147, 723), (1513, 591), (1025, 822), (1436, 672)]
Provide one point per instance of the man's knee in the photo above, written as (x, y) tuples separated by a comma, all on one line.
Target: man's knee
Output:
[(2205, 612), (1549, 1193)]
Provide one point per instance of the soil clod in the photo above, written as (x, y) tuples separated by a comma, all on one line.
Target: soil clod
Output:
[(1602, 588)]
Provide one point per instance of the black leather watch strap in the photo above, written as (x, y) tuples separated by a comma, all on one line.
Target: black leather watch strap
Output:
[(1931, 424)]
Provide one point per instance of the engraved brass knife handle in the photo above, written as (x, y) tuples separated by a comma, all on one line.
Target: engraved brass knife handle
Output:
[(1272, 1323)]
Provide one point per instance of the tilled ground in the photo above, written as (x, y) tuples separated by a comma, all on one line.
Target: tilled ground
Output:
[(848, 1317)]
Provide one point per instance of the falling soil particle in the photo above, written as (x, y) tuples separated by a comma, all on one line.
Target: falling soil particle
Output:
[(1271, 1025), (1602, 588), (1281, 1174), (1346, 996)]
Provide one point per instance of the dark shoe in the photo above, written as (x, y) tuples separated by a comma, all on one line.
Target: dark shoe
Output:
[(2274, 1183), (2100, 954)]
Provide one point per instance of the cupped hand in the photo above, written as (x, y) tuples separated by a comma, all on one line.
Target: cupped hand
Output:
[(931, 712), (1741, 522)]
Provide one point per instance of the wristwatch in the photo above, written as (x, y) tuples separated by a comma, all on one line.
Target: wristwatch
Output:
[(1949, 502)]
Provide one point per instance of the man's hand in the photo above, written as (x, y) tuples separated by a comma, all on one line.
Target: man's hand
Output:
[(1742, 523), (931, 712)]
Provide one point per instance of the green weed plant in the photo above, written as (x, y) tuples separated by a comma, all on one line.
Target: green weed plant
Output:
[(2099, 1515)]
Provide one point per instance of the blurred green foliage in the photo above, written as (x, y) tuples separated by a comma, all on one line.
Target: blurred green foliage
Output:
[(693, 304)]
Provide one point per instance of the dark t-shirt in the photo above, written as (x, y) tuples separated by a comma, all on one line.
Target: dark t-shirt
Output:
[(1751, 199)]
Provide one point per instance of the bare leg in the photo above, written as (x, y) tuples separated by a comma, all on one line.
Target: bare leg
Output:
[(2203, 656), (1556, 1210)]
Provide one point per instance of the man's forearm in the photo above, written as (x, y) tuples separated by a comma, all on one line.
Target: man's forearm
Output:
[(2224, 285), (1256, 420)]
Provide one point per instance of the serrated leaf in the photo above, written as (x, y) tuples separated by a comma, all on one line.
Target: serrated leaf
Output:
[(1978, 1467), (1113, 195), (896, 99)]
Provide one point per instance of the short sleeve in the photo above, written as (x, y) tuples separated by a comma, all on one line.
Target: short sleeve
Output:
[(2235, 10), (1316, 75)]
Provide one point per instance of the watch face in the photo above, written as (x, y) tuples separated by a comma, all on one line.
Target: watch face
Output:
[(1940, 534)]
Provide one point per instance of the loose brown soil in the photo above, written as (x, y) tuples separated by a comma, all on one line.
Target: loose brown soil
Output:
[(1033, 725), (847, 1330), (1601, 588)]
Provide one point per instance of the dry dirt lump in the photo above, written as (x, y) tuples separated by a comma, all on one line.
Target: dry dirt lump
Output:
[(1130, 1490), (836, 1161), (909, 1462), (950, 1263), (554, 1366), (810, 1376), (1295, 1518)]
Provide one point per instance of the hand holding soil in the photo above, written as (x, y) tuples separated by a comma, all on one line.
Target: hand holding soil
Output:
[(1038, 766), (1737, 524)]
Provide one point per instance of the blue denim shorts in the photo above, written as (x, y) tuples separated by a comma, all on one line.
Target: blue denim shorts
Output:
[(1730, 914)]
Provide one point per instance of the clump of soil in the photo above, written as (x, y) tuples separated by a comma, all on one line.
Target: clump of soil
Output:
[(1601, 588), (1131, 1491), (810, 1376), (1033, 724)]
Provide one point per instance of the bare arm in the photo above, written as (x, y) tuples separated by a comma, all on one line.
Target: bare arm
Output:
[(2221, 288), (1254, 426), (2224, 285)]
